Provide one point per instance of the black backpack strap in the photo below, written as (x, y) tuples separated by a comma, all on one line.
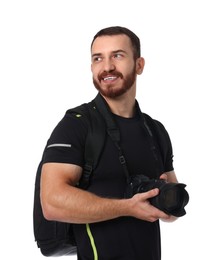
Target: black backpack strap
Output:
[(94, 140), (94, 143), (154, 135), (161, 137)]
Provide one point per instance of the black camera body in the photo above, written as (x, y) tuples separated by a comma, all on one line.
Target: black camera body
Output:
[(172, 197)]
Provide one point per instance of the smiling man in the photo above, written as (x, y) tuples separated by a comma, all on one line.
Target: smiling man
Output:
[(107, 223)]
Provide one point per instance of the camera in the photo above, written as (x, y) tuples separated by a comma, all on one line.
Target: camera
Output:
[(172, 197)]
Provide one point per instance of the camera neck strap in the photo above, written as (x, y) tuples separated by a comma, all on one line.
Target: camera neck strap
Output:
[(112, 131)]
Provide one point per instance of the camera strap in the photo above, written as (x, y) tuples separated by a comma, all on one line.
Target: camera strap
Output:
[(112, 131)]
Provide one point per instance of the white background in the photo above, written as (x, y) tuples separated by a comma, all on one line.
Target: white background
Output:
[(45, 69)]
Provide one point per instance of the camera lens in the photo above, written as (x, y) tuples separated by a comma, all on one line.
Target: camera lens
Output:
[(172, 199)]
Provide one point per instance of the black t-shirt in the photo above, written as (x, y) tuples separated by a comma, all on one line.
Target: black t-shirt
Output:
[(123, 238)]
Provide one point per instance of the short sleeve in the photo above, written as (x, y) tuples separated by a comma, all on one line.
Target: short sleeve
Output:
[(67, 141)]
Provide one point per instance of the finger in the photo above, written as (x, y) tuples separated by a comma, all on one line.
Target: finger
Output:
[(163, 177), (150, 194)]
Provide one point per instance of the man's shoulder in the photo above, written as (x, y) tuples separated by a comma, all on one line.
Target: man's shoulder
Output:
[(155, 123), (88, 114), (78, 109)]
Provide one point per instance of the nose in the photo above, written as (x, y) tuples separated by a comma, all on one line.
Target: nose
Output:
[(108, 65)]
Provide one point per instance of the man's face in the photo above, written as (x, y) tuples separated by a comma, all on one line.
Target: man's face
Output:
[(113, 65)]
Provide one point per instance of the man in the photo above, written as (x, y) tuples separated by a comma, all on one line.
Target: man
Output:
[(107, 224)]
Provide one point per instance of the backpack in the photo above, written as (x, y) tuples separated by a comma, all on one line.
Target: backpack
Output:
[(55, 238)]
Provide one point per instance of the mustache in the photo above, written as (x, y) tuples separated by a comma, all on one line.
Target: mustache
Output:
[(106, 74)]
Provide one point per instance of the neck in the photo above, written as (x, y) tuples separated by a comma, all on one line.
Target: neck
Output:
[(123, 106)]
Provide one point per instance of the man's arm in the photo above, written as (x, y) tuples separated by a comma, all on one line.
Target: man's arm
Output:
[(171, 177), (62, 201)]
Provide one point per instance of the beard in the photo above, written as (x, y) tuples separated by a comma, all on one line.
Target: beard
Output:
[(112, 91)]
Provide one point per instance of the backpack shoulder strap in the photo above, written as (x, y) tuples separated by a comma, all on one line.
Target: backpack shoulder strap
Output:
[(94, 140), (160, 134)]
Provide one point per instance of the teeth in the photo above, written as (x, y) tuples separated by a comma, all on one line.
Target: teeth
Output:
[(109, 78)]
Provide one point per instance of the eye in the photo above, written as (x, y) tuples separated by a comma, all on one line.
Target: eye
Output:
[(97, 59), (118, 56)]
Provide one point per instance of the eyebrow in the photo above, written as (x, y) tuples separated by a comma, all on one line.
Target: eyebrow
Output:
[(113, 52)]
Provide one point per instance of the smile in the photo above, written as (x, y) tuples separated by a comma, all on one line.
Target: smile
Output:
[(110, 78)]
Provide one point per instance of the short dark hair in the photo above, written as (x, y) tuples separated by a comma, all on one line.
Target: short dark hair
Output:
[(117, 30)]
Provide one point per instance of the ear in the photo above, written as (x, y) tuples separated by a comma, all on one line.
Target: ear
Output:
[(140, 63)]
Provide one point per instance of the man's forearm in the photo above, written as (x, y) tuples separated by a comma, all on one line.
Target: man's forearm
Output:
[(78, 206)]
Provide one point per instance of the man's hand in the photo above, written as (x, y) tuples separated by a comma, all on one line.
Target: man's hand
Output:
[(141, 208)]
